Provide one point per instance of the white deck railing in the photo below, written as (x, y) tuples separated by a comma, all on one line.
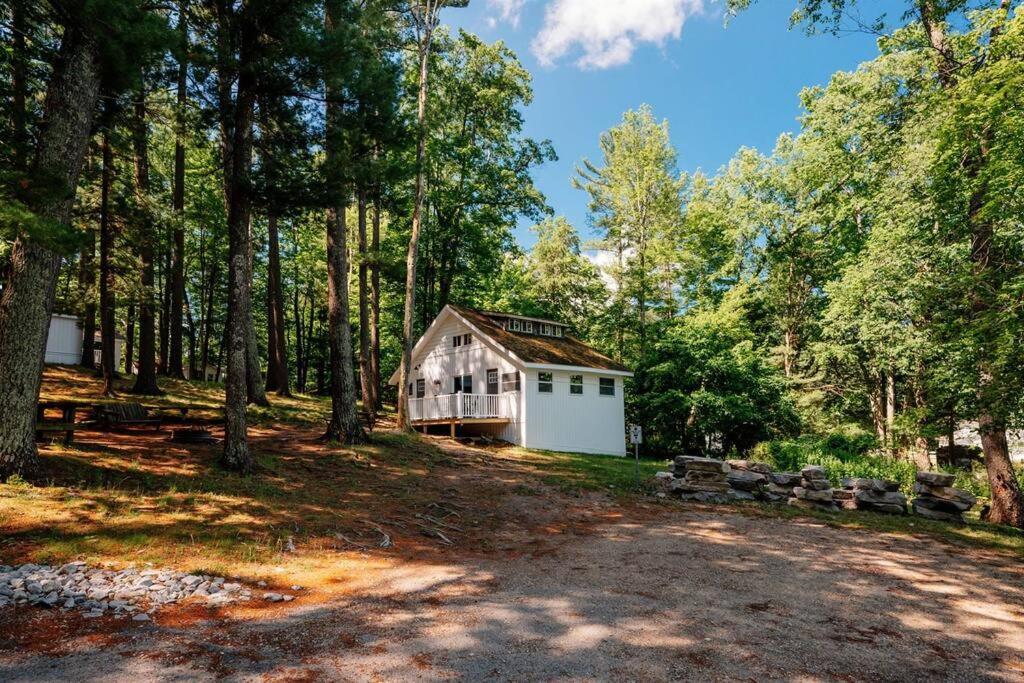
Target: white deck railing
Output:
[(464, 406)]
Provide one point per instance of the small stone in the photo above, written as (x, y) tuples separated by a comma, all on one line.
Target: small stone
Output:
[(802, 493), (273, 597), (813, 472), (296, 588), (69, 603), (93, 614), (261, 584), (288, 598), (141, 616)]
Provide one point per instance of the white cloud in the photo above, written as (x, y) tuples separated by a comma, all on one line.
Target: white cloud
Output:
[(507, 11), (607, 32)]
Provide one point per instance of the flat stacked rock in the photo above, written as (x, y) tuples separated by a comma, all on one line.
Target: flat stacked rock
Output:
[(780, 486), (815, 490), (937, 499), (701, 479), (748, 479), (876, 495)]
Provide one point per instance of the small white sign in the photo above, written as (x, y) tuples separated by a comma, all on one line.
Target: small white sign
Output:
[(636, 434)]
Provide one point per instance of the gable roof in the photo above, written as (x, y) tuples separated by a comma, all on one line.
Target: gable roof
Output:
[(538, 349)]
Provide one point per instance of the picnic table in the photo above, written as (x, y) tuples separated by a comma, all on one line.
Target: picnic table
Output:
[(67, 423)]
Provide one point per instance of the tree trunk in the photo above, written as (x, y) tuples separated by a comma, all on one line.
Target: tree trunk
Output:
[(890, 408), (365, 374), (107, 284), (27, 298), (277, 351), (300, 375), (177, 274), (344, 425), (163, 364), (145, 381), (236, 455), (255, 388), (375, 307), (87, 290), (129, 339), (408, 341)]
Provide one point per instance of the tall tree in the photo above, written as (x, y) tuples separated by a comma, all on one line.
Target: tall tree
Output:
[(177, 274), (344, 423), (107, 273), (425, 16), (145, 381), (237, 107), (27, 298)]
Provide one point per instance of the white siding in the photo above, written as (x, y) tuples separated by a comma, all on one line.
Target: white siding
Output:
[(438, 363), (587, 423), (64, 341)]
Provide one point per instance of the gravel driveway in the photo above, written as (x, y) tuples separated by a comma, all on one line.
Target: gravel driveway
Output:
[(680, 594)]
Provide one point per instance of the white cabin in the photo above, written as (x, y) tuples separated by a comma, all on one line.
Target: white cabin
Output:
[(64, 342), (523, 380)]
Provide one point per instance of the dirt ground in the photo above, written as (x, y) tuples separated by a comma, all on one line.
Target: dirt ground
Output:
[(637, 593)]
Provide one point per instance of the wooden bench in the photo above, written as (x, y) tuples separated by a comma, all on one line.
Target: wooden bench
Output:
[(129, 414)]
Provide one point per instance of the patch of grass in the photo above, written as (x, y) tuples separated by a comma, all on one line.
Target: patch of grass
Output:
[(973, 533), (574, 472)]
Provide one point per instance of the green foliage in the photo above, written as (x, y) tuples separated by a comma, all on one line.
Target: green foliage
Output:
[(839, 455), (707, 388)]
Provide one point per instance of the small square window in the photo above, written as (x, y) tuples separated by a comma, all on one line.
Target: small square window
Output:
[(514, 325), (576, 385), (607, 386), (545, 383), (467, 339), (529, 326), (456, 341), (546, 330)]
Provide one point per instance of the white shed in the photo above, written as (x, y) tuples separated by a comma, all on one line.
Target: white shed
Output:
[(64, 342), (524, 380)]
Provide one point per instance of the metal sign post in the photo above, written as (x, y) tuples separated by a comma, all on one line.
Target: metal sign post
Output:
[(636, 437)]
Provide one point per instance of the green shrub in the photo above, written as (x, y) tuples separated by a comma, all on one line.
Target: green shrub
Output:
[(841, 456)]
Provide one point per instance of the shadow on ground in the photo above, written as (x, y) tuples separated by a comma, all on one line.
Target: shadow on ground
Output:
[(691, 595)]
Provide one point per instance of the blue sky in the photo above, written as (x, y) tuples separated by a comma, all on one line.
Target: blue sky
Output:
[(720, 87)]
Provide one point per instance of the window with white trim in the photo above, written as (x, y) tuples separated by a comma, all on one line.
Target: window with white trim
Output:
[(528, 326), (463, 384), (545, 383), (421, 388), (545, 329), (558, 330), (576, 385), (514, 325), (606, 386)]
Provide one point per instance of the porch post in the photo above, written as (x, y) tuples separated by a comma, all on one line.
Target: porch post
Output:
[(453, 428)]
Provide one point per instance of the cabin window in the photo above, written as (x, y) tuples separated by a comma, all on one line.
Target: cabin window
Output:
[(558, 331), (528, 326), (514, 325), (456, 341), (467, 339), (545, 383), (576, 385), (492, 381), (545, 329), (607, 386), (421, 388), (463, 384), (510, 381)]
